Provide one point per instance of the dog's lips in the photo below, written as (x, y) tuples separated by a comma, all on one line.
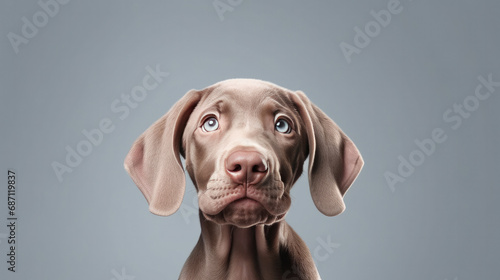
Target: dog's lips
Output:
[(221, 193), (242, 202), (243, 207), (251, 202), (245, 202)]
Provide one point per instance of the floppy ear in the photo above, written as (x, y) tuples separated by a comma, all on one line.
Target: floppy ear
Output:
[(334, 160), (154, 159)]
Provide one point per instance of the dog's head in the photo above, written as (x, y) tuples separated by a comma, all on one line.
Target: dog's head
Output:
[(244, 142)]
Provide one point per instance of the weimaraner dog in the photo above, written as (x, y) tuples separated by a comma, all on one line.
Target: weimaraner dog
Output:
[(244, 142)]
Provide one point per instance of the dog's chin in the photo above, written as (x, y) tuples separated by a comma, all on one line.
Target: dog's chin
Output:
[(244, 213)]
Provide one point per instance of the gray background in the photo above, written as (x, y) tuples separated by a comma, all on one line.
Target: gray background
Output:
[(440, 223)]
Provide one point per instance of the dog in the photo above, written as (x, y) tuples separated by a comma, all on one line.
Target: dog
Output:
[(244, 142)]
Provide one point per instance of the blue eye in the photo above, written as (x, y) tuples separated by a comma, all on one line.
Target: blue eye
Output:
[(282, 126), (210, 124)]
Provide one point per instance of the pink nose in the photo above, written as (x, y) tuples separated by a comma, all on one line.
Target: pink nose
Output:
[(246, 167)]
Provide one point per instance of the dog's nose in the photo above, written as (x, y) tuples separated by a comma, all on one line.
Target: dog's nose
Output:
[(246, 167)]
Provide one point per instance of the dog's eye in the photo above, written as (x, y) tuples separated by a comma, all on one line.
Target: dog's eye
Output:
[(282, 126), (210, 124)]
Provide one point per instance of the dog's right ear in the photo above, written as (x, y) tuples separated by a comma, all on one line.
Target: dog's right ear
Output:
[(154, 159)]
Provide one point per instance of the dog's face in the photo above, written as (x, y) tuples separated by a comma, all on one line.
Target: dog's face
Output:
[(244, 142)]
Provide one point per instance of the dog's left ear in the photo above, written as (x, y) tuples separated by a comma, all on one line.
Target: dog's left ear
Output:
[(334, 160), (154, 159)]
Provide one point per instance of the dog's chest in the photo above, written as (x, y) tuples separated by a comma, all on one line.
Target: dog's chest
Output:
[(243, 270), (243, 256)]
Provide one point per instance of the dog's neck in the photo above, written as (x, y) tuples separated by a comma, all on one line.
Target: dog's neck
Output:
[(229, 252), (250, 254)]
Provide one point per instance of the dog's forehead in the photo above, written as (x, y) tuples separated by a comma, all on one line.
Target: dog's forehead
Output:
[(249, 84), (247, 91)]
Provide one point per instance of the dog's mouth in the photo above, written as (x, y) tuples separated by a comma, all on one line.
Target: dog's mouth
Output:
[(244, 206), (244, 213), (246, 203)]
